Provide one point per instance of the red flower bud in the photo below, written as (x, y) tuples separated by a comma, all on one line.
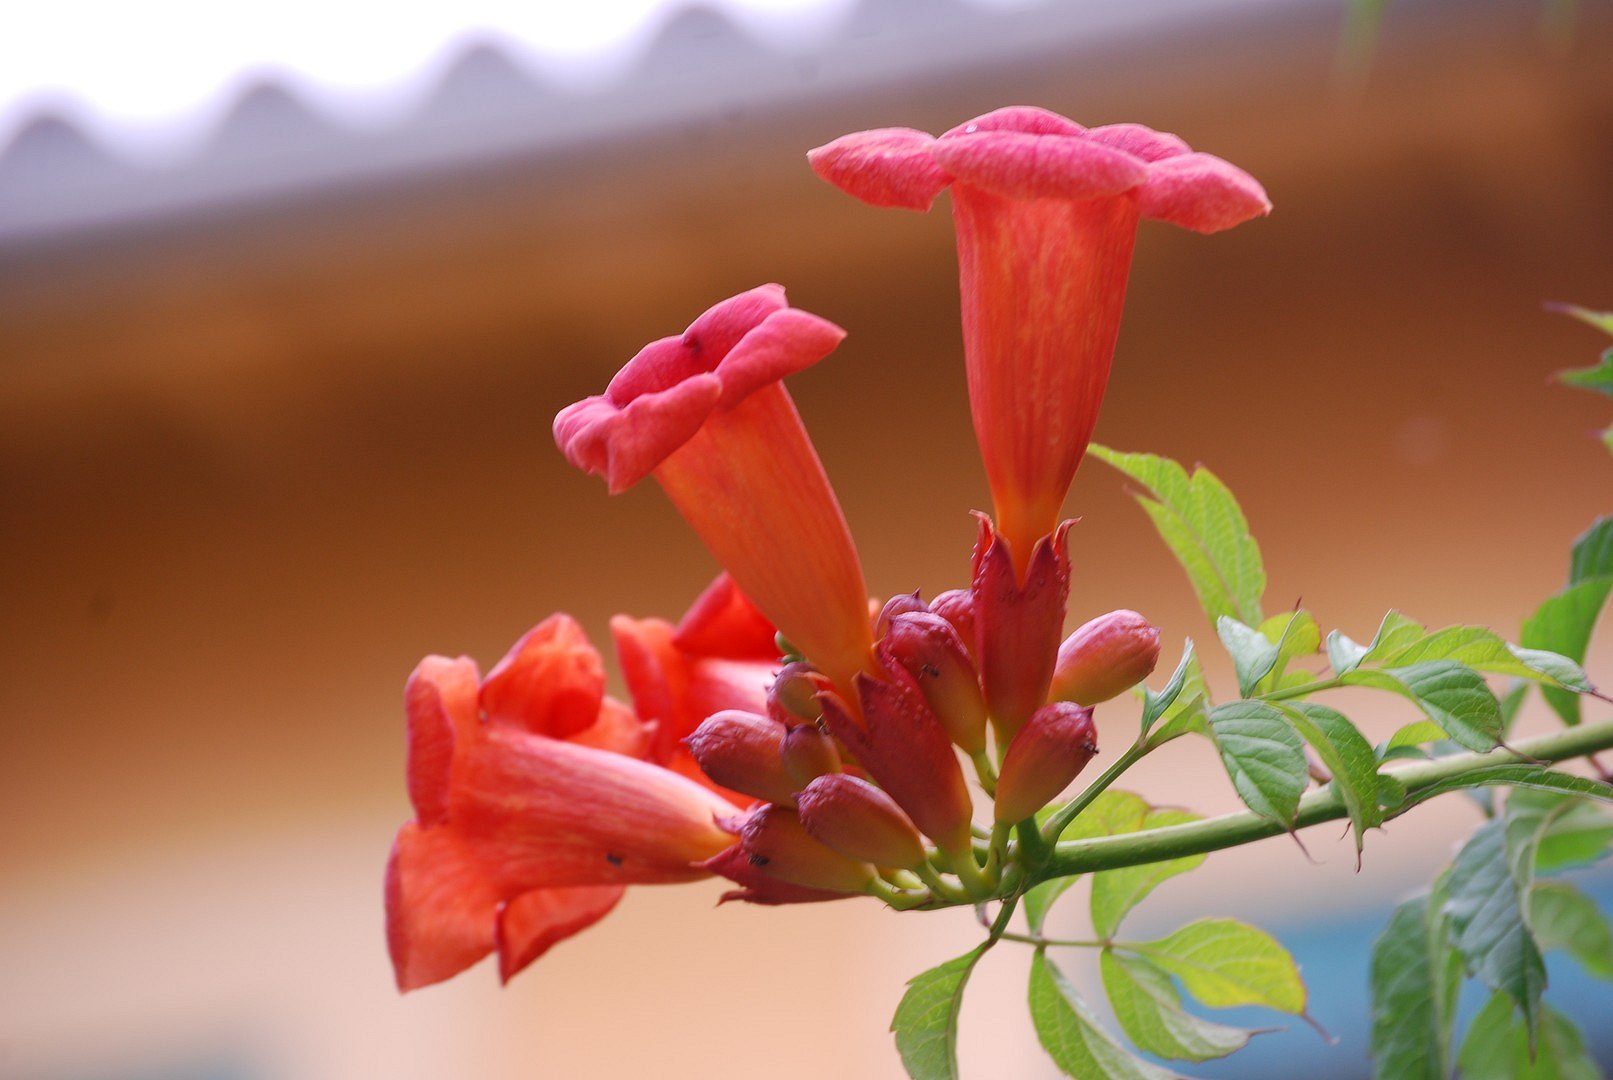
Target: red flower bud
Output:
[(860, 821), (1018, 621), (957, 606), (927, 648), (778, 846), (793, 697), (740, 751), (807, 754), (897, 605), (905, 749), (1105, 658), (1050, 750)]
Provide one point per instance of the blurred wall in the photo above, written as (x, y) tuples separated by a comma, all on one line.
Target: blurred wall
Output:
[(254, 464)]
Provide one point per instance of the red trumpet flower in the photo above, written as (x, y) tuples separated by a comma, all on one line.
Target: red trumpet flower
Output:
[(706, 413), (533, 809), (1046, 214)]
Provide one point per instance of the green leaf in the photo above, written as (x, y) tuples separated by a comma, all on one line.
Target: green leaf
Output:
[(1116, 892), (1520, 774), (1348, 756), (1225, 963), (1451, 695), (1563, 625), (926, 1020), (1253, 655), (1187, 672), (1565, 918), (1264, 757), (1415, 734), (1602, 320), (1205, 529), (1592, 556), (1295, 634), (1578, 836), (1072, 1037), (1511, 703), (1111, 813), (1414, 989), (1598, 377), (1498, 1047), (1344, 652), (1483, 649), (1150, 1012), (1489, 924)]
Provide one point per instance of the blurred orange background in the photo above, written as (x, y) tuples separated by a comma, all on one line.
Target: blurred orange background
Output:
[(259, 458)]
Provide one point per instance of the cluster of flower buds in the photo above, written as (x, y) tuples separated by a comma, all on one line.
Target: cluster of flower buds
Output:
[(842, 772)]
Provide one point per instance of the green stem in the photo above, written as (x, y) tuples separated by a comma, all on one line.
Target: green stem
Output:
[(985, 771), (1060, 821), (1044, 942), (1232, 830)]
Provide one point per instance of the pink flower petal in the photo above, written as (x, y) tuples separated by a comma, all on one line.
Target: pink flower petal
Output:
[(551, 682), (624, 445), (885, 167), (440, 700), (1023, 166), (439, 907), (1029, 119), (1201, 192), (1140, 140), (782, 344)]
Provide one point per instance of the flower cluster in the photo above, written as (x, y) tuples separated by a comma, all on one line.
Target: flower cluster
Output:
[(784, 735)]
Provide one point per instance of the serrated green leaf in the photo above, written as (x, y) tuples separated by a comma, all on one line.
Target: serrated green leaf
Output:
[(1578, 836), (1519, 774), (1563, 625), (1396, 632), (1072, 1037), (1187, 711), (1484, 650), (1295, 634), (1225, 963), (1348, 756), (1263, 755), (1253, 656), (1415, 734), (1602, 320), (1391, 793), (1566, 919), (926, 1020), (1205, 529), (1592, 556), (1344, 652), (1511, 702), (1150, 1012), (1450, 694), (1116, 892), (1598, 377), (1154, 705), (1498, 1047), (1414, 984), (1487, 885)]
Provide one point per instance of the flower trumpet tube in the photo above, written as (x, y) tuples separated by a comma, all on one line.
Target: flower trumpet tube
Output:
[(1046, 213), (1105, 657), (1050, 751), (529, 824), (706, 413)]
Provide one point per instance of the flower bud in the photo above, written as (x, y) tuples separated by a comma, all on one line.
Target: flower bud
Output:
[(957, 606), (1105, 658), (793, 697), (808, 753), (778, 846), (740, 751), (927, 648), (860, 821), (1049, 751), (1018, 621), (900, 604)]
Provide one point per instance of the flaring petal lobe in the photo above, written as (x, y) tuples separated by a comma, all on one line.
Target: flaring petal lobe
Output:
[(1140, 140), (551, 682), (889, 167), (1201, 192), (440, 702), (1024, 166), (533, 923), (440, 907)]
